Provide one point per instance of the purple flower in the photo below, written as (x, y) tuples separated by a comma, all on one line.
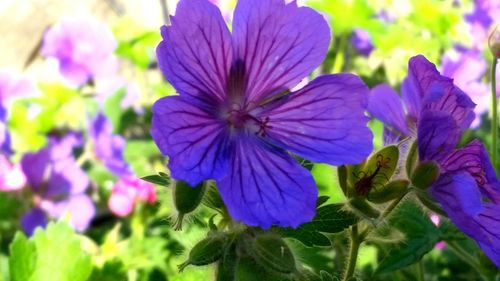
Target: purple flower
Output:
[(362, 42), (234, 120), (83, 48), (58, 183), (12, 86), (481, 19), (108, 147), (467, 188), (467, 67)]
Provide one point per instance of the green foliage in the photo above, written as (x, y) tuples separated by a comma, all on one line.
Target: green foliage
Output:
[(51, 254), (421, 236), (160, 179), (329, 219)]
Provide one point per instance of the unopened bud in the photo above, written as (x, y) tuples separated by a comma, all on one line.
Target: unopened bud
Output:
[(494, 42)]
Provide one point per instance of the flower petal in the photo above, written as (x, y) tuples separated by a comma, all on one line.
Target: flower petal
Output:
[(266, 186), (421, 73), (490, 220), (195, 141), (33, 219), (385, 104), (324, 121), (438, 134), (461, 200), (446, 97), (79, 209), (278, 43), (196, 53), (473, 159)]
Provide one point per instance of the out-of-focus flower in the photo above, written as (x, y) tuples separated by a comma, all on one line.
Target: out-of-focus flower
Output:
[(83, 47), (467, 67), (232, 122), (12, 86), (58, 183), (34, 218), (362, 42), (436, 220), (127, 192), (481, 19), (108, 147), (11, 176)]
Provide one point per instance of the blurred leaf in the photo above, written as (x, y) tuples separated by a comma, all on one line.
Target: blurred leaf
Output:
[(52, 254), (421, 236), (113, 109), (329, 219), (157, 179)]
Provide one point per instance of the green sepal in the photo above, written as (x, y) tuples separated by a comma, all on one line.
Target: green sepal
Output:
[(388, 192), (160, 179), (362, 207), (412, 158), (425, 174), (272, 253), (207, 251), (186, 199)]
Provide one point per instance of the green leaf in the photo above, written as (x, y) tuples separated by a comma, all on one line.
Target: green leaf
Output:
[(52, 254), (329, 219), (421, 236), (112, 108), (157, 179)]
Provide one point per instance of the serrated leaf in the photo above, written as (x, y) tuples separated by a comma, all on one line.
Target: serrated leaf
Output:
[(52, 254), (421, 236), (329, 219)]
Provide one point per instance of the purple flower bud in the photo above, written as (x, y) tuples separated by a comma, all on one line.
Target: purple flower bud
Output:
[(494, 42), (361, 40)]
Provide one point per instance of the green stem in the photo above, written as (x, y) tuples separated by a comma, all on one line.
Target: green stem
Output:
[(393, 205), (353, 253), (419, 270), (494, 110), (462, 254)]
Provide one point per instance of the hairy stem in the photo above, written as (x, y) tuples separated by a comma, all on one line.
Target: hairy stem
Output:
[(494, 111), (353, 253)]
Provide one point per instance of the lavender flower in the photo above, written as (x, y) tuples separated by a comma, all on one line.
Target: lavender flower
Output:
[(467, 67), (234, 120), (12, 86), (83, 47), (467, 188), (481, 19), (108, 148), (58, 183), (362, 42)]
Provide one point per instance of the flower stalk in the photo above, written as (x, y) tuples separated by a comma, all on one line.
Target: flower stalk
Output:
[(494, 110), (353, 253)]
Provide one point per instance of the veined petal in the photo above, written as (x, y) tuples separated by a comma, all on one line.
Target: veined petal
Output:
[(473, 158), (196, 142), (322, 122), (461, 200), (278, 43), (196, 53), (490, 221), (438, 134), (421, 73), (385, 104), (265, 186), (446, 97)]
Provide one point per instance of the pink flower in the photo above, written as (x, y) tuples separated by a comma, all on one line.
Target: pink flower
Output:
[(11, 176), (127, 192)]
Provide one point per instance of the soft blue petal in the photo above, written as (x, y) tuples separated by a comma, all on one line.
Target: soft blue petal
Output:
[(437, 136), (267, 187), (278, 43), (322, 122), (194, 139), (385, 105)]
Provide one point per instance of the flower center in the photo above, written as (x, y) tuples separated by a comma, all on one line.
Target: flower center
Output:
[(239, 118)]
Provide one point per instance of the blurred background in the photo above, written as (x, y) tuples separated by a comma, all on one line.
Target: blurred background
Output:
[(77, 82)]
